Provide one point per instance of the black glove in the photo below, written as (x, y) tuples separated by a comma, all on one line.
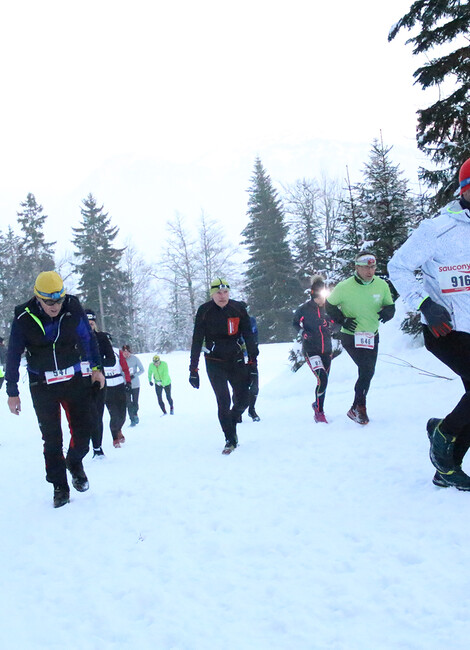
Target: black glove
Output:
[(151, 383), (253, 372), (350, 323), (437, 317), (386, 313), (334, 327), (194, 377), (95, 387), (128, 388)]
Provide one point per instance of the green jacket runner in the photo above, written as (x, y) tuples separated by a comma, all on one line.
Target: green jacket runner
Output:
[(361, 301), (159, 374)]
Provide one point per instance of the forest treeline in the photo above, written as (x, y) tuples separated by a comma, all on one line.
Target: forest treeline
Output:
[(292, 232), (315, 225)]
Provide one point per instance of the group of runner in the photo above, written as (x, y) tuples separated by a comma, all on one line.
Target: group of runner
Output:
[(70, 362)]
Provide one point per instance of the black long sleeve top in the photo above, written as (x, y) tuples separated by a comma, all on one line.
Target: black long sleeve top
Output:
[(218, 330)]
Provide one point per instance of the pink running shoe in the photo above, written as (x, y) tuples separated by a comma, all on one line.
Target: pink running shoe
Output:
[(319, 416)]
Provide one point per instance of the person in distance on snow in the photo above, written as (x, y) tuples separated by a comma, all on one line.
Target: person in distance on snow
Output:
[(54, 331), (358, 304), (254, 385), (314, 324), (118, 385), (441, 248), (135, 369), (99, 394), (158, 374), (218, 326)]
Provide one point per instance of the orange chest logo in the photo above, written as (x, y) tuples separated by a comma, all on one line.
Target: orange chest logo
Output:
[(232, 325)]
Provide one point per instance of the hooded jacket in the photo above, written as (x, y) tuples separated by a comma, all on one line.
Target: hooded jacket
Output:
[(440, 247)]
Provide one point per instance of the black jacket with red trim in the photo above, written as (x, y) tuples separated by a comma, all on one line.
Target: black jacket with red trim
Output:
[(314, 324), (218, 331)]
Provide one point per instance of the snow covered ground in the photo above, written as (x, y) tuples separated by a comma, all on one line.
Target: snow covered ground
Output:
[(308, 537)]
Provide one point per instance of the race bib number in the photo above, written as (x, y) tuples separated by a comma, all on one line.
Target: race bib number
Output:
[(315, 362), (454, 278), (85, 368), (56, 376), (364, 340)]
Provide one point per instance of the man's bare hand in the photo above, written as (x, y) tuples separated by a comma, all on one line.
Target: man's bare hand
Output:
[(14, 404)]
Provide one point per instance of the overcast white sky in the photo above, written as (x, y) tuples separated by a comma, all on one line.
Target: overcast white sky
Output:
[(158, 108)]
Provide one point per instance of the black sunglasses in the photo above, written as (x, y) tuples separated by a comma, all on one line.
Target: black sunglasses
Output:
[(49, 303)]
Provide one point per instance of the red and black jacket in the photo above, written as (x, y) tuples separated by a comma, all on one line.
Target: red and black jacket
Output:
[(313, 322)]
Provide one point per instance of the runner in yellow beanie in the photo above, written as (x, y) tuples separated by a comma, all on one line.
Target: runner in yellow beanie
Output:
[(49, 285)]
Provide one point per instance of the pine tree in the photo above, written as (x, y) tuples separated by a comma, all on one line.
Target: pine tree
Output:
[(102, 283), (35, 254), (443, 131), (10, 295), (386, 204), (271, 288)]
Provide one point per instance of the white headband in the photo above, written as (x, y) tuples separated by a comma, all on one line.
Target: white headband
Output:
[(366, 260)]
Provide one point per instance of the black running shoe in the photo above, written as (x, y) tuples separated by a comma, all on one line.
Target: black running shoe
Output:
[(437, 480), (254, 416), (61, 495), (98, 453), (455, 478), (229, 447), (441, 451), (79, 478)]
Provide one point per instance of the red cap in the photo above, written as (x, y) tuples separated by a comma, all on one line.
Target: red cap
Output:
[(464, 177)]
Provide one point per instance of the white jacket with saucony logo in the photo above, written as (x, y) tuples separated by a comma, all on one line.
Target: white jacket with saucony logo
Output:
[(440, 247)]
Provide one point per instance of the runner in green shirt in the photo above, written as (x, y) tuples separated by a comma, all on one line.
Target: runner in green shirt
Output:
[(358, 304), (158, 374)]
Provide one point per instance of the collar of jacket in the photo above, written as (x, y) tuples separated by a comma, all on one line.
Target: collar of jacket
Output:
[(361, 281)]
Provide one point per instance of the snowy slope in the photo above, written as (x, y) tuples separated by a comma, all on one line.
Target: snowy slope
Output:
[(308, 537)]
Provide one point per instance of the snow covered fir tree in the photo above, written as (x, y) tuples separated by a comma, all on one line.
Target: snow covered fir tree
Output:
[(272, 290), (101, 285), (443, 131)]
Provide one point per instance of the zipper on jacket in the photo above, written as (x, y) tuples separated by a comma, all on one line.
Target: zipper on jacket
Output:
[(38, 321)]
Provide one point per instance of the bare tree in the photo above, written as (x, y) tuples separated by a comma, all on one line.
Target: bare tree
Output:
[(141, 300), (216, 255), (302, 217), (329, 211)]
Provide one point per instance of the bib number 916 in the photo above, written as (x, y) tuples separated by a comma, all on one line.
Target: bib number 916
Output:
[(460, 281)]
